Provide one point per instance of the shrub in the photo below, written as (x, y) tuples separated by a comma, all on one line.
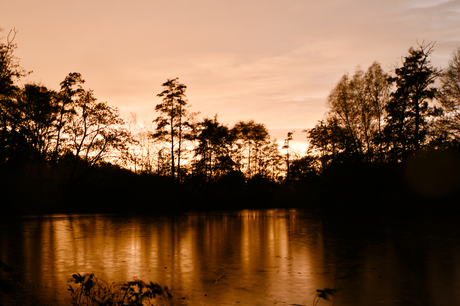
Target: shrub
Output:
[(95, 291)]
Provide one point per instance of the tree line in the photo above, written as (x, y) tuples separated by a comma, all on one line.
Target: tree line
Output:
[(66, 146), (378, 118), (206, 149)]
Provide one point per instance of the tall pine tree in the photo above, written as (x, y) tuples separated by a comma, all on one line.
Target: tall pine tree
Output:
[(407, 112)]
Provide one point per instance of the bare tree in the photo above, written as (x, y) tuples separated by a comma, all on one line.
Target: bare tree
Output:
[(449, 96), (357, 104), (94, 132)]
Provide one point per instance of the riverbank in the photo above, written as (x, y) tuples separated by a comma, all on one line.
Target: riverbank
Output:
[(346, 189)]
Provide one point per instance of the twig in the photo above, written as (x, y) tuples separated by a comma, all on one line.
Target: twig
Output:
[(215, 282)]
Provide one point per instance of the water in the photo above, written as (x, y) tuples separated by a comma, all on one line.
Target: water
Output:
[(252, 257)]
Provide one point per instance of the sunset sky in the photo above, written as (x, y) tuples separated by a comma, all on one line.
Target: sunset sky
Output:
[(273, 61)]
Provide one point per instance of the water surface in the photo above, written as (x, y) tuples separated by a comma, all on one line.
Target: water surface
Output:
[(251, 257)]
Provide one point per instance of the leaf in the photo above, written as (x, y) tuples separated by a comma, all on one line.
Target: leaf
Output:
[(326, 293), (78, 278)]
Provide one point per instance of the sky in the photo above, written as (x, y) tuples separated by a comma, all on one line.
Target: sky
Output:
[(271, 61)]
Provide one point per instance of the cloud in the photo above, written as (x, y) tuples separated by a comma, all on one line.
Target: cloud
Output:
[(269, 60)]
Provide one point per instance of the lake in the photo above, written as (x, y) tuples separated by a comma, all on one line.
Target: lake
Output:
[(249, 257)]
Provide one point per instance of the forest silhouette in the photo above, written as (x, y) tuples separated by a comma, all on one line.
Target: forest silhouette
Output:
[(389, 142)]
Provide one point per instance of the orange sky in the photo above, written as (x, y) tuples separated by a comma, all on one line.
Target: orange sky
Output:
[(273, 61)]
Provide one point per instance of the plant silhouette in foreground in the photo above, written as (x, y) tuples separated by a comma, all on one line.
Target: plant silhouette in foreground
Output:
[(94, 291), (324, 294)]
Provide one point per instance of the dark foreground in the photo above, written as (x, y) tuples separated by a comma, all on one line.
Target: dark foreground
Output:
[(345, 188)]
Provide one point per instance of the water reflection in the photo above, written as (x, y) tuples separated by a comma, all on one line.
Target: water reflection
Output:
[(250, 257)]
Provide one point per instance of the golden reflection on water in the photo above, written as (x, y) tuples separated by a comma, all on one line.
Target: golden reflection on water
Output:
[(253, 257), (209, 259)]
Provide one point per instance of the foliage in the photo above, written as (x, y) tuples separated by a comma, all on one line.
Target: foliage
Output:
[(213, 149), (94, 130), (250, 137), (371, 124), (10, 70), (304, 168), (70, 88), (330, 142), (11, 140), (173, 121), (48, 137), (287, 147), (55, 142), (408, 112), (46, 127), (269, 161), (94, 291), (449, 97), (39, 118), (324, 294), (355, 116)]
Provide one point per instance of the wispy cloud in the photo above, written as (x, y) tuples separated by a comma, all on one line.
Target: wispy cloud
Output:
[(269, 60)]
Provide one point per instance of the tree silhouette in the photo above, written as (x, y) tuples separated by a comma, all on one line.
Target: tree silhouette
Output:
[(331, 142), (40, 111), (357, 103), (250, 137), (406, 122), (212, 152), (10, 70), (269, 160), (449, 96), (304, 168), (10, 111), (172, 120), (71, 88), (377, 93), (287, 147), (94, 131)]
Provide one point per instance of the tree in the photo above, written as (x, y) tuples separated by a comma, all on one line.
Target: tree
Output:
[(143, 153), (449, 96), (40, 111), (286, 147), (10, 70), (330, 142), (71, 89), (10, 111), (304, 168), (407, 111), (377, 92), (344, 103), (94, 132), (173, 120), (249, 137), (212, 152), (357, 103), (269, 161)]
